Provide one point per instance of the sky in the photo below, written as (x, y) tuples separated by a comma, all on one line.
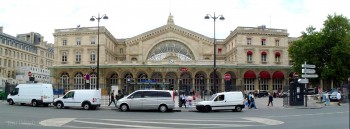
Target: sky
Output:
[(129, 18)]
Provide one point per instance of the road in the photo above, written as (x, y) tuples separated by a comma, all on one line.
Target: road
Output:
[(19, 117)]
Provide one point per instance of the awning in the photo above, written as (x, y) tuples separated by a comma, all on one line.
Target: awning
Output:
[(249, 53), (263, 53), (264, 74), (278, 74), (277, 54), (249, 74)]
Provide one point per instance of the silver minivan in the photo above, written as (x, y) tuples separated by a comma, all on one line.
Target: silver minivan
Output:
[(162, 100)]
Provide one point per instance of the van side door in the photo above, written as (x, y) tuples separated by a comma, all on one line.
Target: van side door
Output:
[(150, 100), (15, 96), (135, 100), (68, 99), (219, 103)]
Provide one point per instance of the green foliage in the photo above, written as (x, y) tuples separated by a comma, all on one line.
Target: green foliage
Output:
[(2, 96), (328, 49)]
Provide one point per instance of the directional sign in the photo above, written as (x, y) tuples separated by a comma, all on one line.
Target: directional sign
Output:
[(303, 81), (308, 66), (308, 70), (310, 76)]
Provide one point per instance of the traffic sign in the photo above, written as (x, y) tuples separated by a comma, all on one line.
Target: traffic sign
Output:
[(308, 70), (303, 81), (308, 66), (227, 77), (309, 75)]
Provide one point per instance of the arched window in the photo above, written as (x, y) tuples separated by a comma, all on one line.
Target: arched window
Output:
[(93, 80), (78, 81), (114, 79), (142, 78), (249, 56)]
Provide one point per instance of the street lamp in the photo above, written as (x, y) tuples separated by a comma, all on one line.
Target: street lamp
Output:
[(221, 17), (98, 45)]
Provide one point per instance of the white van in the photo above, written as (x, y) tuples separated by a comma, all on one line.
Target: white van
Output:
[(223, 101), (162, 100), (88, 99), (34, 94)]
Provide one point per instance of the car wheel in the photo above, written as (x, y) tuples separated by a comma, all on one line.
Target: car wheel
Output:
[(124, 107), (238, 108), (59, 105), (207, 108), (86, 106), (163, 108), (11, 102), (34, 103)]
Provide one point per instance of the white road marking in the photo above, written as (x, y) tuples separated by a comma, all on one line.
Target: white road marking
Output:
[(264, 120), (56, 121), (300, 115), (101, 123), (201, 120)]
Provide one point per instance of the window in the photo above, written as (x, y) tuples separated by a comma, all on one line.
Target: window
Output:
[(121, 50), (137, 95), (78, 42), (249, 41), (219, 50), (77, 57), (79, 81), (277, 84), (263, 42), (277, 57), (277, 42), (92, 40), (263, 84), (64, 42), (249, 84), (263, 57), (249, 57), (0, 51), (64, 57), (92, 57)]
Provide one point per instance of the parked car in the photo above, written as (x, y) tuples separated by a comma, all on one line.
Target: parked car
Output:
[(162, 100), (261, 93), (88, 99), (223, 101), (34, 94)]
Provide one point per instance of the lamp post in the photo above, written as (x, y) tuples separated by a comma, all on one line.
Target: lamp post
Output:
[(221, 17), (98, 45)]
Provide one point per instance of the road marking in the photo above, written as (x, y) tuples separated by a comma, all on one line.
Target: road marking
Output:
[(330, 113), (264, 120), (56, 121), (101, 123)]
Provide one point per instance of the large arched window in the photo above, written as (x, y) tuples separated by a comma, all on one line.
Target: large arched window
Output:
[(93, 80), (64, 81), (114, 79), (170, 48), (78, 81)]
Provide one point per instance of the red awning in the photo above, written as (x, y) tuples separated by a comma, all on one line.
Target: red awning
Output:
[(277, 54), (278, 74), (264, 74), (249, 53), (263, 53), (249, 74)]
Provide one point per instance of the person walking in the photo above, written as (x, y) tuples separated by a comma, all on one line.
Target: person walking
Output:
[(270, 100), (326, 96), (252, 102), (112, 99), (339, 97), (183, 100)]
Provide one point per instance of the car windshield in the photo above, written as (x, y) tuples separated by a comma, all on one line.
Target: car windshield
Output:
[(212, 97)]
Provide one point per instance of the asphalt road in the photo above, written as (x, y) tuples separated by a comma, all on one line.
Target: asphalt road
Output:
[(20, 117)]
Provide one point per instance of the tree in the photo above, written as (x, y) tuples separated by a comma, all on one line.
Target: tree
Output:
[(328, 49)]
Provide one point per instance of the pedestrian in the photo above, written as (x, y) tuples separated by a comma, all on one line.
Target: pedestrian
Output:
[(252, 102), (246, 103), (339, 97), (249, 98), (270, 100), (189, 100), (183, 100), (120, 95), (326, 96), (112, 99)]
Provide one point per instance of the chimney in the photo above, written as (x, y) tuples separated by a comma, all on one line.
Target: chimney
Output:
[(1, 29)]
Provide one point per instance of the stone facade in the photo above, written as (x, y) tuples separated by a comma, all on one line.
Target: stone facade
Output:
[(172, 57)]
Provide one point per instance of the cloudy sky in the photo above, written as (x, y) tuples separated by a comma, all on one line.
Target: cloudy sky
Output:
[(128, 18)]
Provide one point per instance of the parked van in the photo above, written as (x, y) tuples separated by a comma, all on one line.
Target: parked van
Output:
[(34, 94), (88, 99), (162, 100), (223, 101)]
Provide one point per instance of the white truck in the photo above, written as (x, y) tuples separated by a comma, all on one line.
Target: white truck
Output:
[(88, 99), (34, 94), (223, 101)]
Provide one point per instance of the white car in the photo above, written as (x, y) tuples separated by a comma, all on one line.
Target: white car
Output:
[(88, 99)]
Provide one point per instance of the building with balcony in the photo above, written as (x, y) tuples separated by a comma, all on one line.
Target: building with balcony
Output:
[(173, 57)]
